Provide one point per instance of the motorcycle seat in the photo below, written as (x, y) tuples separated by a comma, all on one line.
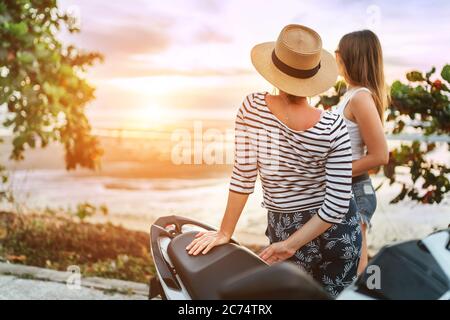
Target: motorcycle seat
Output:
[(203, 275)]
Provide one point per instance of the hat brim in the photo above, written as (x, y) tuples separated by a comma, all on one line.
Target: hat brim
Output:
[(324, 79)]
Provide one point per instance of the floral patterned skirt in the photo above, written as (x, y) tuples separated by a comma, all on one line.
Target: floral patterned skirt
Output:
[(332, 258)]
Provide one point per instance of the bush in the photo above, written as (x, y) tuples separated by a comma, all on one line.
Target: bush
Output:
[(57, 242), (422, 104)]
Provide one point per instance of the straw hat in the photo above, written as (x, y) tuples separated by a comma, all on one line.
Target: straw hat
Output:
[(296, 62)]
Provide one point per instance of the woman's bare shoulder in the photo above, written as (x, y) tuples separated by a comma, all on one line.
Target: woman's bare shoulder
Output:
[(362, 98)]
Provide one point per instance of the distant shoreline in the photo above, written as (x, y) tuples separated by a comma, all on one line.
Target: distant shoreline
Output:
[(139, 158)]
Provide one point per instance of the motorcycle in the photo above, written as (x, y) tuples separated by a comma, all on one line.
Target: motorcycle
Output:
[(416, 269)]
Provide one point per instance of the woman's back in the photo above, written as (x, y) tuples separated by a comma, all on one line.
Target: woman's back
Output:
[(295, 167), (294, 112)]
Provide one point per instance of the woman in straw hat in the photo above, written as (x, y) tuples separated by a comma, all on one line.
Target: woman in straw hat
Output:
[(304, 160)]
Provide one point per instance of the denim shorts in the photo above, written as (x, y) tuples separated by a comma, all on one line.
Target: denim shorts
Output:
[(365, 200)]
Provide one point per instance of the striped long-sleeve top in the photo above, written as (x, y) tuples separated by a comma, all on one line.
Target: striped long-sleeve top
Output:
[(299, 170)]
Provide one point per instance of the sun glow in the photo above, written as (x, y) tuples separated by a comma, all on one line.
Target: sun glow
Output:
[(150, 107), (158, 100), (157, 86), (152, 114)]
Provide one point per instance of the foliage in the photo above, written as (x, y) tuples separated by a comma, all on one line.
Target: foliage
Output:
[(57, 242), (124, 267), (42, 83), (86, 209), (420, 106), (327, 101), (5, 190), (422, 101)]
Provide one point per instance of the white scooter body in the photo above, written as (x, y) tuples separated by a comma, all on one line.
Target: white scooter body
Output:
[(170, 293)]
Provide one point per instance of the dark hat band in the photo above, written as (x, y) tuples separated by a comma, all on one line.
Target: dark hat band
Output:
[(293, 72)]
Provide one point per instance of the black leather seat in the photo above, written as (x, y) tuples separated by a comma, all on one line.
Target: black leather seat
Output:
[(203, 275)]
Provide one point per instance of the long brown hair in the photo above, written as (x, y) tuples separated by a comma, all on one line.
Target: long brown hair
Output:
[(362, 57)]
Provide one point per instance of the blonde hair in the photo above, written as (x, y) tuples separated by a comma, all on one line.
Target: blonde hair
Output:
[(362, 58)]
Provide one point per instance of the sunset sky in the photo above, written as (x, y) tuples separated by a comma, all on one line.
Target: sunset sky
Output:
[(191, 59)]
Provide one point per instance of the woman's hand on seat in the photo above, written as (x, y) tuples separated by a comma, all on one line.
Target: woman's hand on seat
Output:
[(277, 252), (206, 240)]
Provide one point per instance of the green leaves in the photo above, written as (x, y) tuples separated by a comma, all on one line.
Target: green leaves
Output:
[(25, 57), (327, 102), (414, 76), (17, 29), (445, 74), (42, 88), (430, 73), (2, 8), (424, 107)]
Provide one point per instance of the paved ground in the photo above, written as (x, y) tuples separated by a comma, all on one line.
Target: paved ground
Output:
[(28, 289), (24, 283)]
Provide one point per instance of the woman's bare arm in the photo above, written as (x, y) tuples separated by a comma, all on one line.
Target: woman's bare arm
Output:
[(283, 250), (311, 230), (205, 241), (364, 112), (235, 204)]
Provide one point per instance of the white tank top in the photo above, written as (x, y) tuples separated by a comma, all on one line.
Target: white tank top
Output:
[(358, 146)]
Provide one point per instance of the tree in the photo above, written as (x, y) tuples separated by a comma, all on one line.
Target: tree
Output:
[(42, 82), (421, 105)]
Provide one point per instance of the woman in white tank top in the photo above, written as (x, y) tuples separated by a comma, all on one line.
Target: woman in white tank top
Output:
[(360, 61), (358, 146)]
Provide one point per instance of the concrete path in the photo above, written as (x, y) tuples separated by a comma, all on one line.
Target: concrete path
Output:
[(24, 283)]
